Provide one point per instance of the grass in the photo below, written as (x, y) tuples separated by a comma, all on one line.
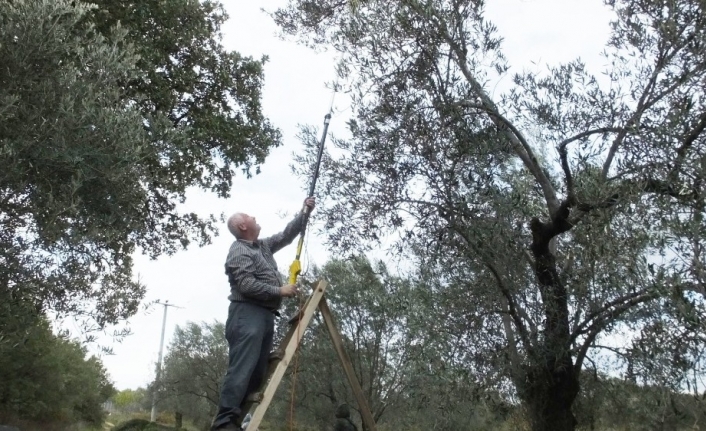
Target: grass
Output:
[(141, 425), (139, 421)]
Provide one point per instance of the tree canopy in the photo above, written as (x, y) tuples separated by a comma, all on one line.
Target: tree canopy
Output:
[(558, 215), (109, 113), (47, 379), (194, 366)]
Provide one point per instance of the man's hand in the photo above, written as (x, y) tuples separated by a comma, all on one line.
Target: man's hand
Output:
[(310, 203), (289, 290)]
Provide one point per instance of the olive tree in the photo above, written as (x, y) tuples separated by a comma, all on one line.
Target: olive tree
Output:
[(109, 113), (563, 213)]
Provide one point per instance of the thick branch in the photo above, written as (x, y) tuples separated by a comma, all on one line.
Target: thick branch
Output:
[(513, 309), (544, 232), (563, 154), (600, 323), (606, 307), (693, 135), (689, 141), (643, 103), (522, 149), (515, 360)]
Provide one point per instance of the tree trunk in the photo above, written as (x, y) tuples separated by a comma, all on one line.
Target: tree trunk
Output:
[(552, 393), (552, 382)]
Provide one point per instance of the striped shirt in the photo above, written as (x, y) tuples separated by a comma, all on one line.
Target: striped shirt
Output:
[(252, 269)]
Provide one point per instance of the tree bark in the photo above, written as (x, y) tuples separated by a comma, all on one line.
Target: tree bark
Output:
[(552, 382), (550, 396)]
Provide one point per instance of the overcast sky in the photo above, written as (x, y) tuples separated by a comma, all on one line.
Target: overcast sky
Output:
[(535, 32)]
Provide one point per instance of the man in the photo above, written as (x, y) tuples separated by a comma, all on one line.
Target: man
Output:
[(256, 291), (343, 419)]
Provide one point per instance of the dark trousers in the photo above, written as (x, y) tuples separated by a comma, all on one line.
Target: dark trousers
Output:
[(249, 331)]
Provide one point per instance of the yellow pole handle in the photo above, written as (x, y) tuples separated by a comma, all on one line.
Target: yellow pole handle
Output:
[(296, 267)]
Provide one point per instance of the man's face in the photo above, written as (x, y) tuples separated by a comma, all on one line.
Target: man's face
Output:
[(250, 227)]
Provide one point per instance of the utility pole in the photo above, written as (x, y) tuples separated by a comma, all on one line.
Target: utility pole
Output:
[(153, 415)]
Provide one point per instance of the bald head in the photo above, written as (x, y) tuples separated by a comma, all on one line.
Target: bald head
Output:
[(233, 222), (243, 226)]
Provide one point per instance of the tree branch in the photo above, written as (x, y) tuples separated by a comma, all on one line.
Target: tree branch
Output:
[(664, 188), (518, 141), (563, 154), (209, 399), (513, 309), (650, 185), (688, 141), (601, 322), (610, 349), (522, 149), (515, 360), (606, 307), (633, 118), (693, 135), (643, 103), (588, 133)]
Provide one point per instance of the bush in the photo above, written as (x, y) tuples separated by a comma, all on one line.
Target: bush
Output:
[(48, 378)]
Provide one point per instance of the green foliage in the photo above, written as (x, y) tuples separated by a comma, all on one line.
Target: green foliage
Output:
[(610, 403), (70, 153), (193, 369), (129, 400), (408, 369), (544, 222), (370, 306), (48, 379), (203, 98), (108, 114)]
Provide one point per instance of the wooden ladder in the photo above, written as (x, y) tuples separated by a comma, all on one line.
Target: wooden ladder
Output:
[(257, 403)]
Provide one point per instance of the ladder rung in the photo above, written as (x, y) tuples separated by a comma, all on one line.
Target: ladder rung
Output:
[(296, 318), (254, 398)]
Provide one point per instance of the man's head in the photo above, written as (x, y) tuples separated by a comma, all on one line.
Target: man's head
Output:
[(243, 226)]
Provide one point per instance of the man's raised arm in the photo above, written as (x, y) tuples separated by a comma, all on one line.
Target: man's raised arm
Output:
[(278, 241)]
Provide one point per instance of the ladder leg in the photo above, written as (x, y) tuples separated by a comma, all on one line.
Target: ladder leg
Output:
[(275, 358), (287, 348), (337, 340)]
